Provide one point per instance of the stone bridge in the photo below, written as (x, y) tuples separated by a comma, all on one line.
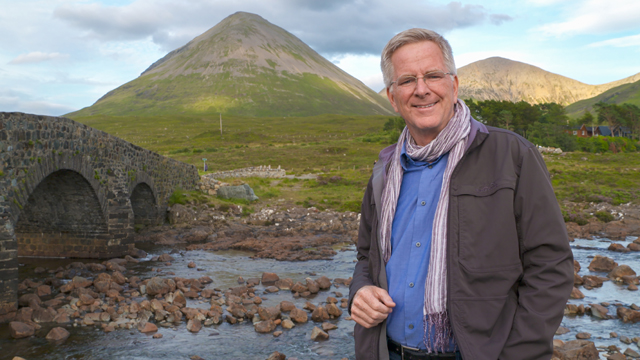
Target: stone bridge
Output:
[(68, 190)]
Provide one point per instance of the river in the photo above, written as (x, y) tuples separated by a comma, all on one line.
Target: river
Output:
[(240, 341)]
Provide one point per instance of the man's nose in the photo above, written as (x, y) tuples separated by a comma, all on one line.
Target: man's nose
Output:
[(422, 88)]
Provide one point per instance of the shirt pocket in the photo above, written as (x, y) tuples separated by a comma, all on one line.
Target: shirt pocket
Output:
[(487, 226)]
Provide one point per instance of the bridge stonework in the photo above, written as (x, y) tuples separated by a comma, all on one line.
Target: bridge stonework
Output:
[(68, 190)]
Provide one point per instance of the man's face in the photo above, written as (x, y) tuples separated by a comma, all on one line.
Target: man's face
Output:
[(425, 109)]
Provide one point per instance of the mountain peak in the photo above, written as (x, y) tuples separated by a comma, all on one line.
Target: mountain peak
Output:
[(246, 65)]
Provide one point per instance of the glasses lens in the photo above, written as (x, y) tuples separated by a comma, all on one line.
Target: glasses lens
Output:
[(434, 76), (406, 80)]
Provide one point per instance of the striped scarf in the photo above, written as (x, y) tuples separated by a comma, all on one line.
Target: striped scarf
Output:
[(452, 139)]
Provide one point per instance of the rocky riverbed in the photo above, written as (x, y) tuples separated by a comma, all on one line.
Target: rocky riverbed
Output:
[(220, 283)]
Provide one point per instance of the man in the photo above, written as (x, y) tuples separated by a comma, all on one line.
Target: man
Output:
[(462, 249)]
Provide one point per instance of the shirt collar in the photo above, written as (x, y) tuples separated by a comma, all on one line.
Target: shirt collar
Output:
[(406, 160)]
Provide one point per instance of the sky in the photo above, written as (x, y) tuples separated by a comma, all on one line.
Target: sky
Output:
[(58, 56)]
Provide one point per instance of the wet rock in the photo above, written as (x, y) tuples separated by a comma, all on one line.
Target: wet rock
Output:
[(271, 289), (613, 334), (276, 356), (617, 356), (165, 258), (562, 330), (265, 326), (20, 330), (147, 327), (591, 281), (284, 284), (309, 306), (632, 287), (620, 271), (237, 310), (631, 353), (333, 310), (576, 294), (298, 288), (253, 281), (95, 267), (287, 324), (157, 336), (324, 283), (320, 314), (269, 279), (179, 299), (628, 315), (158, 286), (230, 319), (80, 282), (625, 339), (618, 248), (57, 334), (24, 314), (299, 316), (43, 290), (576, 266), (326, 326), (633, 246), (312, 286), (191, 265), (31, 300), (557, 343), (318, 335), (42, 315), (62, 318), (269, 313), (576, 349), (277, 333), (286, 306), (583, 335), (599, 311), (194, 325), (602, 263)]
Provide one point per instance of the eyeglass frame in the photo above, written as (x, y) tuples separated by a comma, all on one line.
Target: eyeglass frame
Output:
[(423, 78)]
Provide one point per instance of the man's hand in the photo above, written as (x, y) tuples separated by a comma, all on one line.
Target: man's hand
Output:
[(371, 305)]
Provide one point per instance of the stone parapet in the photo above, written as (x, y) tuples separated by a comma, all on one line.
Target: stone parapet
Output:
[(259, 171)]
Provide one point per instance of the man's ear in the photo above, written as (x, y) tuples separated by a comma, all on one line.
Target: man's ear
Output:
[(392, 99)]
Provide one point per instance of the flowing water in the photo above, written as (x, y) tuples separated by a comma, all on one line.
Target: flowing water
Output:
[(240, 341)]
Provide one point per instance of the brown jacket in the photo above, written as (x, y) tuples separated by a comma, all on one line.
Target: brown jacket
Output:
[(509, 263)]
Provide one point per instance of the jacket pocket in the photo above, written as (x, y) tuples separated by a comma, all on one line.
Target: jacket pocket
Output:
[(487, 226)]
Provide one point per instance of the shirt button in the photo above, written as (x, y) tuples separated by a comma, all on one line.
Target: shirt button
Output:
[(410, 285), (418, 244), (410, 326), (423, 203), (430, 166)]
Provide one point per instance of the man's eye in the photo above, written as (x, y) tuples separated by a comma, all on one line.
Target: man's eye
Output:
[(406, 81), (434, 76)]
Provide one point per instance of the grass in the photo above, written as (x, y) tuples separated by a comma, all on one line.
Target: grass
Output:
[(339, 147)]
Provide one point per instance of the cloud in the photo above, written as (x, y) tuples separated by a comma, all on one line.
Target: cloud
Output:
[(330, 27), (16, 101), (626, 41), (37, 57), (596, 17)]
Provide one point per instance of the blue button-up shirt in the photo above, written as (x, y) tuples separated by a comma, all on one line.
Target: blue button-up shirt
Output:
[(411, 248)]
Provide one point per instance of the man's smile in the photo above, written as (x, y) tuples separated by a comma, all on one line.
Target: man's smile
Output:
[(425, 106)]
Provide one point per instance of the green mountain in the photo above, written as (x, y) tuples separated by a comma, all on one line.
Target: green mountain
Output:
[(626, 93), (243, 66)]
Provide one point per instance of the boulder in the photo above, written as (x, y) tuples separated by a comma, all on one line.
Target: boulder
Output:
[(237, 192), (576, 294), (276, 356), (333, 310), (318, 334), (599, 311), (602, 263), (180, 214), (620, 271), (266, 326), (194, 325), (618, 248), (58, 334), (628, 315), (21, 330), (320, 314), (269, 278), (269, 313), (299, 316), (576, 349), (147, 327), (158, 286), (286, 306)]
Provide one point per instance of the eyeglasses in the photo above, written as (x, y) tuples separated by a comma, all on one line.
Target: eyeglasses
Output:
[(430, 78)]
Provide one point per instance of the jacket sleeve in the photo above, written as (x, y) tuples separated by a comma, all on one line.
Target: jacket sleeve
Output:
[(547, 262), (361, 276)]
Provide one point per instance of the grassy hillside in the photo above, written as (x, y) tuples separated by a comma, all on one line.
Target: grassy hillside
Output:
[(332, 146), (627, 93)]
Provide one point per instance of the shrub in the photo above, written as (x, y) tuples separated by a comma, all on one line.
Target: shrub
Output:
[(604, 216), (177, 197)]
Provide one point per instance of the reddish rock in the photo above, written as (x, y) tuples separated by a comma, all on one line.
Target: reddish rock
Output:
[(602, 263), (628, 315), (326, 326), (57, 334), (299, 316), (265, 326), (165, 258), (147, 327), (80, 282), (102, 286), (324, 283), (20, 330), (24, 314), (583, 335), (320, 314), (43, 290), (318, 335), (276, 356), (237, 310), (618, 248), (269, 313), (157, 336), (312, 286), (42, 315), (118, 278), (576, 294), (620, 271), (562, 330), (286, 306), (31, 300), (576, 266), (158, 286), (298, 288), (333, 310), (284, 284), (191, 265), (633, 246), (269, 278), (194, 325), (590, 281), (599, 311), (62, 318), (576, 350)]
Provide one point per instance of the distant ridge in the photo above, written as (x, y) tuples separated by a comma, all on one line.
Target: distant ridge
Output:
[(242, 66), (498, 78), (622, 94)]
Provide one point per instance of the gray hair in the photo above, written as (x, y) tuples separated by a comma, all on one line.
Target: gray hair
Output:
[(409, 37)]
